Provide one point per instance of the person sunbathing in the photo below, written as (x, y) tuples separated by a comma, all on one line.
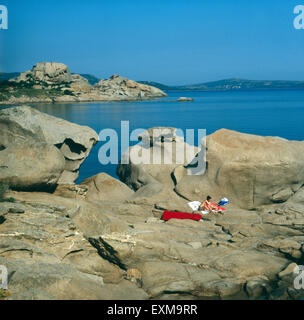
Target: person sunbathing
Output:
[(208, 206)]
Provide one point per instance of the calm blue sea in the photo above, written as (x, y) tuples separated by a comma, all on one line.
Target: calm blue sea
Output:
[(267, 113)]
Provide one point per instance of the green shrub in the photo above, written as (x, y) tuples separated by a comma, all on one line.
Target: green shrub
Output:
[(68, 93)]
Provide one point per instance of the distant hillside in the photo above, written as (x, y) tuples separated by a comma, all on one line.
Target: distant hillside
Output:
[(221, 85), (233, 84)]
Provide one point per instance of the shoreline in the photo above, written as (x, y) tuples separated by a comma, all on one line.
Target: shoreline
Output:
[(156, 98), (5, 103)]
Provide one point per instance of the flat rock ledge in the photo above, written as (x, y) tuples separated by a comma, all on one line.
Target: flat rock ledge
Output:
[(80, 249)]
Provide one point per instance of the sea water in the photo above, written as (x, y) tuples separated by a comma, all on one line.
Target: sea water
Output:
[(266, 113)]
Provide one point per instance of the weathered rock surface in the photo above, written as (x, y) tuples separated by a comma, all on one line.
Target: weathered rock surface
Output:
[(30, 165), (100, 240), (23, 124), (91, 245), (123, 88), (50, 72), (250, 170), (53, 82), (152, 163), (104, 187), (49, 257)]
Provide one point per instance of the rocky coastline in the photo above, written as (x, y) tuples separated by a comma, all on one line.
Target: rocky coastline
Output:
[(105, 239), (50, 82)]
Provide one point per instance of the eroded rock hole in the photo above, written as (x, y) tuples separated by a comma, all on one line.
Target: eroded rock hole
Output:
[(73, 146)]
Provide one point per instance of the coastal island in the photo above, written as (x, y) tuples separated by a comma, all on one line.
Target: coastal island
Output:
[(51, 82)]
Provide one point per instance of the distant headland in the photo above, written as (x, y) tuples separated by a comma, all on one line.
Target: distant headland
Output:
[(52, 82), (44, 84), (233, 84)]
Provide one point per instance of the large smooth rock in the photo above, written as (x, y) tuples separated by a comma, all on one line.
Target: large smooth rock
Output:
[(104, 187), (119, 88), (30, 165), (49, 72), (162, 151), (250, 170), (74, 141)]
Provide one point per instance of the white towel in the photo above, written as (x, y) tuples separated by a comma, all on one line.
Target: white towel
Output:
[(195, 205)]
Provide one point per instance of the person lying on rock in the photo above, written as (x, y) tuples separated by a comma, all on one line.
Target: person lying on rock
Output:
[(208, 206)]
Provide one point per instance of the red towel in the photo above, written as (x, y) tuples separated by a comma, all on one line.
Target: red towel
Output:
[(218, 207), (180, 215)]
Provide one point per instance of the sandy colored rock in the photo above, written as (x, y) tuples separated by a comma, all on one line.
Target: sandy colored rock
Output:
[(50, 72), (115, 246), (19, 124), (30, 165), (250, 170), (163, 151), (288, 271), (104, 187), (54, 83), (99, 241), (123, 88)]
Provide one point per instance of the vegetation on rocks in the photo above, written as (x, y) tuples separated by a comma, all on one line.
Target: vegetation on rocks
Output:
[(30, 88), (53, 82)]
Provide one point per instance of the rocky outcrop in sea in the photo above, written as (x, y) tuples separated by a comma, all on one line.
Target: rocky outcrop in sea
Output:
[(51, 82), (105, 239)]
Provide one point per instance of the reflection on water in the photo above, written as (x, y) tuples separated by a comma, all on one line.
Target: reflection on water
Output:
[(275, 113)]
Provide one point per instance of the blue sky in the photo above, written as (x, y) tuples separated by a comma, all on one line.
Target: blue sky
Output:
[(173, 42)]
